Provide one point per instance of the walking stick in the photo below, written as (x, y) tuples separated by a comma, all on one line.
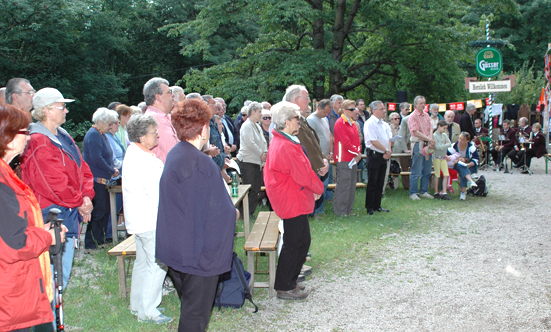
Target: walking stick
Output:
[(56, 255)]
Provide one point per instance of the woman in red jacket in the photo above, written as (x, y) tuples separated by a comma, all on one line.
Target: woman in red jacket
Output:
[(292, 187), (26, 288)]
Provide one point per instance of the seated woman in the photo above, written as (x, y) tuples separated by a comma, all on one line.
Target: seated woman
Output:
[(26, 289), (537, 148), (468, 166), (196, 219)]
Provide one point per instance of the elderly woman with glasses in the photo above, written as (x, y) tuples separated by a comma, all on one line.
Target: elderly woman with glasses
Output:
[(347, 155), (99, 156), (26, 289), (53, 166), (141, 174), (196, 219), (252, 153), (292, 187)]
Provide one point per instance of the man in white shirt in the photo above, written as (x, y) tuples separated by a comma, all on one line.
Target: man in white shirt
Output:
[(378, 148)]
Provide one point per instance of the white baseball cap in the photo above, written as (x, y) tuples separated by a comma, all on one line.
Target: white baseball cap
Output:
[(47, 96)]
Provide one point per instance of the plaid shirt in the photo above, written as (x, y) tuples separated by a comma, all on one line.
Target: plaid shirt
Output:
[(420, 121)]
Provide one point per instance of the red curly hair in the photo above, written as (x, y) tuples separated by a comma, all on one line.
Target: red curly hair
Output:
[(189, 118)]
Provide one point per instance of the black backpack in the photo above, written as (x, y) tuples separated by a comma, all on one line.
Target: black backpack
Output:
[(481, 189), (394, 167), (233, 287)]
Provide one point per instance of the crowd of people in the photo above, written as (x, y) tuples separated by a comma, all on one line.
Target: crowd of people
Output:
[(173, 153)]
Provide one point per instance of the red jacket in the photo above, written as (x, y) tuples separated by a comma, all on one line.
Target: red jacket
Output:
[(51, 172), (26, 279), (289, 179), (347, 141)]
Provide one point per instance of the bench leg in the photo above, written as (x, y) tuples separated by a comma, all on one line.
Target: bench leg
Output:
[(250, 269), (272, 273), (122, 276)]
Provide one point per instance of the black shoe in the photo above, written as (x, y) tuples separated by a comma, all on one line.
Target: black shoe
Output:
[(370, 212), (516, 165), (382, 210), (301, 278), (525, 172)]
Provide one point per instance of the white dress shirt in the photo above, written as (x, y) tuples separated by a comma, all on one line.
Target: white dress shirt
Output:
[(376, 130)]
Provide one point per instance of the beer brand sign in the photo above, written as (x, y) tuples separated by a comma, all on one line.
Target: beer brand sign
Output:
[(489, 62)]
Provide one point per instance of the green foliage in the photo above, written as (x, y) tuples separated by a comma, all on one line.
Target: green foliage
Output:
[(528, 85), (419, 46), (77, 130)]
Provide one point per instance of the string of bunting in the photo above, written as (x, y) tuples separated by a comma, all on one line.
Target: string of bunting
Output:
[(456, 106)]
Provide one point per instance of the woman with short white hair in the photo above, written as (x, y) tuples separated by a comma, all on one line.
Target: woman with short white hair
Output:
[(98, 154)]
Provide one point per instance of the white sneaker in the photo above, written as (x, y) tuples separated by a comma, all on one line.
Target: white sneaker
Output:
[(414, 197), (426, 195), (462, 196), (474, 176), (473, 184)]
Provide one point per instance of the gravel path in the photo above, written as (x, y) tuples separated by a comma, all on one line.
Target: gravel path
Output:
[(483, 269)]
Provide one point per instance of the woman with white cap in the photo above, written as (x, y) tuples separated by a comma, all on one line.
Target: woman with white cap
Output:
[(53, 167)]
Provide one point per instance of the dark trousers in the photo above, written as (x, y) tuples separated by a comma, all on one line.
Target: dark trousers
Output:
[(405, 164), (515, 155), (251, 174), (296, 242), (498, 156), (97, 227), (197, 298), (376, 172)]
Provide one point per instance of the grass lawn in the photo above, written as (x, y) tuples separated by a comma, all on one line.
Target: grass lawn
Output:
[(92, 300)]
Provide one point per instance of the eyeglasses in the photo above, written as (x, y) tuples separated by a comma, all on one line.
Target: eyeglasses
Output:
[(395, 119), (267, 118), (24, 132), (308, 98), (31, 92), (156, 133), (61, 108), (350, 109)]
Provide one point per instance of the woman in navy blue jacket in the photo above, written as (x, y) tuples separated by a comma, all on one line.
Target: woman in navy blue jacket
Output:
[(196, 219)]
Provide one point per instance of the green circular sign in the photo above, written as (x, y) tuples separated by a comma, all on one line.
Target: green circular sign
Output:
[(489, 62)]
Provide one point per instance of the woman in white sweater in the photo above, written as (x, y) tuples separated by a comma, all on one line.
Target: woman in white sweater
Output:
[(142, 172), (252, 153)]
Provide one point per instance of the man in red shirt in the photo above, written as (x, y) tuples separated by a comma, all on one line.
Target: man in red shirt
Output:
[(420, 128)]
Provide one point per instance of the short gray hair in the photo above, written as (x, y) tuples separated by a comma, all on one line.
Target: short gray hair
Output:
[(143, 106), (433, 106), (293, 92), (138, 125), (374, 104), (282, 112), (153, 88), (254, 106), (176, 92), (324, 103), (104, 115), (417, 98), (334, 98), (13, 86), (193, 95), (404, 105), (206, 98), (470, 106)]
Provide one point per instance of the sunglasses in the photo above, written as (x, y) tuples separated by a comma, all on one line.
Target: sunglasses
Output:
[(267, 118), (24, 132), (350, 109)]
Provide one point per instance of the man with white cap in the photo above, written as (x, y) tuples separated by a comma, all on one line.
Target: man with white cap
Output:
[(53, 166)]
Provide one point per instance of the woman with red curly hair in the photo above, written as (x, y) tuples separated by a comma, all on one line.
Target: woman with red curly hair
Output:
[(26, 289), (196, 220)]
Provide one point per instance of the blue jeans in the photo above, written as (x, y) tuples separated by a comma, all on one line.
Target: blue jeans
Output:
[(325, 184), (71, 220), (463, 172), (420, 168)]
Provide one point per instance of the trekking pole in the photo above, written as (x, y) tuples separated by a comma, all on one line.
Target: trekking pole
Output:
[(56, 255)]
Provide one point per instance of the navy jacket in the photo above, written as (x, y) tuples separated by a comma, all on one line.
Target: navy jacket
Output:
[(196, 218)]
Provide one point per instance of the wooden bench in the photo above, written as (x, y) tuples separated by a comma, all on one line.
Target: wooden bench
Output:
[(125, 249), (264, 237)]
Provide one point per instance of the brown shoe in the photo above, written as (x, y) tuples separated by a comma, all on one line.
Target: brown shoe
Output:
[(294, 294), (300, 287)]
